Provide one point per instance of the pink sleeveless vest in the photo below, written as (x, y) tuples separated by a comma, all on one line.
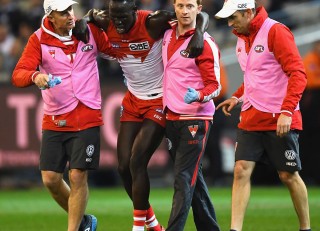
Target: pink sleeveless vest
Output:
[(176, 82), (265, 83), (80, 79)]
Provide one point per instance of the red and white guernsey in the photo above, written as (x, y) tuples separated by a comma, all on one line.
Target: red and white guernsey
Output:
[(140, 58)]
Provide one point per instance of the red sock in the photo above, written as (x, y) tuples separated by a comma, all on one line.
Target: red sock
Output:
[(151, 220), (139, 218)]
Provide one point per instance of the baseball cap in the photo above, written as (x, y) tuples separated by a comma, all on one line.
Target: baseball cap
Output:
[(231, 6), (58, 5)]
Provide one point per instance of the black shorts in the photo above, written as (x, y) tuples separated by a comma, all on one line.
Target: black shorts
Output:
[(80, 149), (266, 146)]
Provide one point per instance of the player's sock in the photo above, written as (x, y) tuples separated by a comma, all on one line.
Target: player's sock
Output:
[(305, 229), (139, 218), (151, 220), (233, 230)]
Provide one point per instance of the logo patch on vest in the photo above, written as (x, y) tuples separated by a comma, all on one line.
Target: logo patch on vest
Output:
[(87, 47), (184, 53), (259, 48), (239, 50), (52, 53)]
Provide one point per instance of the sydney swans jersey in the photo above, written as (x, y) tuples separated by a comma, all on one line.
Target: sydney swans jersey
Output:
[(140, 58)]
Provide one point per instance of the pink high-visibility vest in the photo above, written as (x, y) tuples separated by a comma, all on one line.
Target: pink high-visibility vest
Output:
[(265, 83), (80, 78)]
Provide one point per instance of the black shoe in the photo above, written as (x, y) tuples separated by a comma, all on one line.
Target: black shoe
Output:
[(90, 224)]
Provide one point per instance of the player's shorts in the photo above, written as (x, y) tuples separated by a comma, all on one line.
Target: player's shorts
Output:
[(80, 149), (136, 110), (266, 146)]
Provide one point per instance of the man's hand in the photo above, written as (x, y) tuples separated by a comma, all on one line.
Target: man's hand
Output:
[(100, 18), (283, 125), (191, 96), (195, 46), (81, 31), (41, 80), (228, 105), (44, 81)]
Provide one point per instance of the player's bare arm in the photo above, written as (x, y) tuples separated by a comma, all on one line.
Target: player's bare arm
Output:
[(158, 22), (195, 46), (99, 17)]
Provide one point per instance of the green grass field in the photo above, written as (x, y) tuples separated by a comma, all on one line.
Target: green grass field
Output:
[(270, 209)]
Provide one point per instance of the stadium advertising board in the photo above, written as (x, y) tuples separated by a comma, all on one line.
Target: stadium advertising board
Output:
[(20, 127)]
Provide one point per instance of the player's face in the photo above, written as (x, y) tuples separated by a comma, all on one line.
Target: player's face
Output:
[(240, 21), (186, 12), (63, 21), (122, 15)]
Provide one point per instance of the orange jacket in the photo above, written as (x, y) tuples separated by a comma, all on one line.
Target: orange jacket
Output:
[(223, 82), (311, 63)]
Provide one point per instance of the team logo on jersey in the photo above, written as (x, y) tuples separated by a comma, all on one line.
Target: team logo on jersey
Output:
[(193, 130), (52, 53), (290, 154), (87, 47), (144, 46), (259, 48)]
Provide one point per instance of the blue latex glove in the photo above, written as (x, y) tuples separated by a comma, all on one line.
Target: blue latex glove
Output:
[(53, 80), (191, 96)]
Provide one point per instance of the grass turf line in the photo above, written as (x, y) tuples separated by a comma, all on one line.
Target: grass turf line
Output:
[(270, 209)]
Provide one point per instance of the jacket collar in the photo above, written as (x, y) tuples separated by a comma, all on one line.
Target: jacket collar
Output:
[(49, 37)]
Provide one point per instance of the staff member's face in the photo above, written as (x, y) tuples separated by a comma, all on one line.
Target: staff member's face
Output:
[(63, 21), (186, 12), (240, 21)]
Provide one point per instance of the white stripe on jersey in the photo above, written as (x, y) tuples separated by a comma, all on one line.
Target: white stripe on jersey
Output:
[(143, 78)]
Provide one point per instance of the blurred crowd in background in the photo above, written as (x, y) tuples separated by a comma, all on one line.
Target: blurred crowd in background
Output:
[(20, 18)]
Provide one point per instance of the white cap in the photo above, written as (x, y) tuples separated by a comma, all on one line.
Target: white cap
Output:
[(57, 5), (231, 6)]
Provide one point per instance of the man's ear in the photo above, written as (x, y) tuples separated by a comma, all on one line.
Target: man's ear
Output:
[(50, 18), (250, 13), (199, 9)]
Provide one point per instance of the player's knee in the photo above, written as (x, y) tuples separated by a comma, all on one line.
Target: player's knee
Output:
[(123, 163), (77, 177), (242, 170), (137, 165), (288, 177), (51, 180), (124, 169)]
